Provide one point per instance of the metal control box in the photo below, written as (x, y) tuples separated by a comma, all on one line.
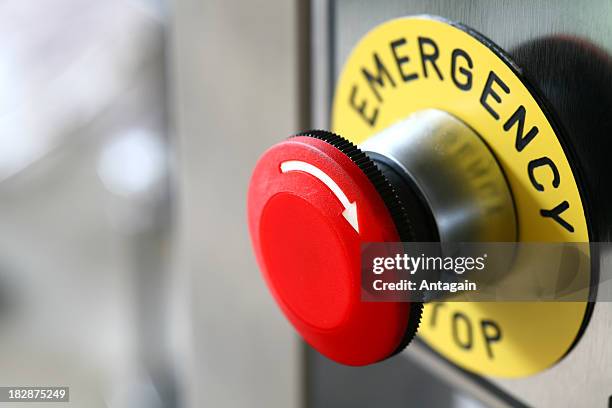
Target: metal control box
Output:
[(561, 47)]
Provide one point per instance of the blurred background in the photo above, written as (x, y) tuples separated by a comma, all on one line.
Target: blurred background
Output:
[(86, 201), (118, 229)]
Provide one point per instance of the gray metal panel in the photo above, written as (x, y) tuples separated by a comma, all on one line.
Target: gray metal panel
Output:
[(584, 377), (506, 23), (235, 72)]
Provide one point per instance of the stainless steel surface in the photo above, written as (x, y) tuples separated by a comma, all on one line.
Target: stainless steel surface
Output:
[(421, 355), (508, 24), (320, 80), (456, 173), (583, 377), (236, 92)]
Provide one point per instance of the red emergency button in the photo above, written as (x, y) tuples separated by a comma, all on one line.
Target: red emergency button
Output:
[(313, 200)]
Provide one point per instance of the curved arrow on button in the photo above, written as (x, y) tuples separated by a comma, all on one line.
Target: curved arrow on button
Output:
[(350, 208)]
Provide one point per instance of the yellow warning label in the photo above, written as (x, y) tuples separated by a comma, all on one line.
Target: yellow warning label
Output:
[(410, 64)]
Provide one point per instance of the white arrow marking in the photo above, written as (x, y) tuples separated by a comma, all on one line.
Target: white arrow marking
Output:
[(350, 208)]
